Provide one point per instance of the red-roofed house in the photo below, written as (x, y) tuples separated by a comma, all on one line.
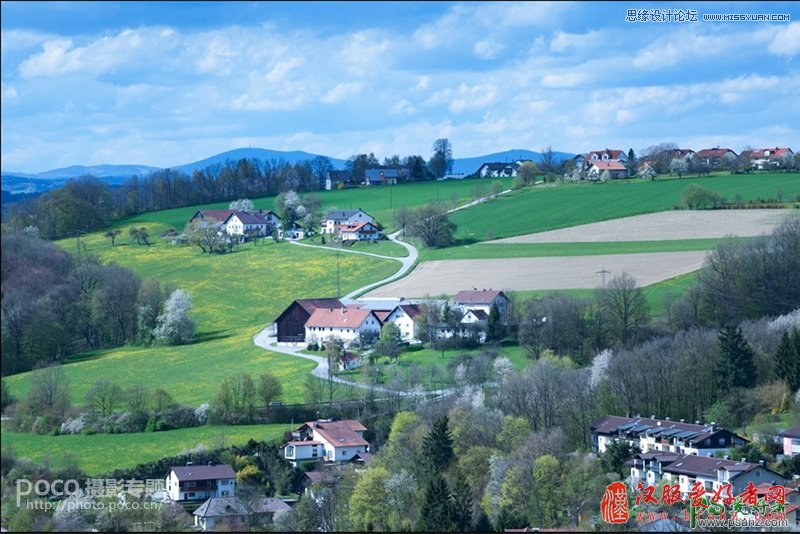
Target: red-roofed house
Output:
[(333, 441), (346, 324), (769, 158), (361, 231), (616, 169), (482, 300), (715, 156)]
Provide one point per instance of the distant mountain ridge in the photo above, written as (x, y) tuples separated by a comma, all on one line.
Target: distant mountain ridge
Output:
[(18, 182)]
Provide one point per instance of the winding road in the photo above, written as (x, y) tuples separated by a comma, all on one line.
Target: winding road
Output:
[(268, 341)]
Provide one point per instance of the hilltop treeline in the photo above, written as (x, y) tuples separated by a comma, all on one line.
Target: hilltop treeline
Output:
[(55, 304)]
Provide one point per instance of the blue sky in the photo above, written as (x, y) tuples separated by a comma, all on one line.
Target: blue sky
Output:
[(161, 83)]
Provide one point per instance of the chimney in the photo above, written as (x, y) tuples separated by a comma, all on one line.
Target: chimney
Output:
[(761, 463), (726, 457), (744, 460)]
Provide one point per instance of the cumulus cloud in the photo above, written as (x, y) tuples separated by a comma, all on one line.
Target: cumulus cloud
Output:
[(487, 49), (786, 41), (341, 91)]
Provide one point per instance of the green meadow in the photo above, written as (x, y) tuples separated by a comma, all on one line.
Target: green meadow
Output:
[(99, 454), (234, 295), (544, 208)]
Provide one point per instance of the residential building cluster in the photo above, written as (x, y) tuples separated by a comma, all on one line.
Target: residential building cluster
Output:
[(316, 321)]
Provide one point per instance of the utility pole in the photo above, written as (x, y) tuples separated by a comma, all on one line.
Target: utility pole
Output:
[(603, 273)]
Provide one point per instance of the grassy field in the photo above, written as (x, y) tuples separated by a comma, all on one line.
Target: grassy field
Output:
[(526, 250), (378, 201), (428, 359), (234, 296), (559, 206), (99, 454), (382, 248)]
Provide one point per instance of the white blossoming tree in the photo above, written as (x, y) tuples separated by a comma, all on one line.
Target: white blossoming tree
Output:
[(174, 326)]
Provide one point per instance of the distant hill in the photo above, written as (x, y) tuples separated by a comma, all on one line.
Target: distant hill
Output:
[(262, 154), (19, 182), (470, 165)]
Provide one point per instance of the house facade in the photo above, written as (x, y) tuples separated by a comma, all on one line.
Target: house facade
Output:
[(663, 435), (381, 176), (230, 513), (344, 324), (715, 157), (790, 439), (361, 231), (497, 170), (333, 441), (334, 220), (769, 158), (290, 324), (403, 317), (200, 482), (240, 223), (482, 300), (616, 170), (584, 162), (687, 469)]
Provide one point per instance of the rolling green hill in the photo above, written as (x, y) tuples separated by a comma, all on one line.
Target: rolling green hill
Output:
[(550, 207)]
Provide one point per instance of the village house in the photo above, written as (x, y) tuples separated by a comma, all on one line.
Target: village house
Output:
[(326, 440), (686, 469), (497, 170), (361, 231), (482, 300), (334, 220), (616, 170), (231, 514), (344, 324), (381, 176), (769, 158), (200, 482), (714, 157), (290, 324), (403, 317), (348, 361), (584, 162), (334, 178), (791, 441), (241, 223), (662, 435)]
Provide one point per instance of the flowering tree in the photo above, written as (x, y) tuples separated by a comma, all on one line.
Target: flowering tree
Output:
[(174, 326)]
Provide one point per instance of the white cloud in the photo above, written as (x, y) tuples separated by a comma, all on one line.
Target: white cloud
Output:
[(341, 91), (281, 70), (423, 83), (404, 107), (487, 49), (565, 79), (563, 42), (786, 41)]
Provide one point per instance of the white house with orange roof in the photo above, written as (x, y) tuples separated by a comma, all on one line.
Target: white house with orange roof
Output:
[(345, 324), (361, 231), (326, 440)]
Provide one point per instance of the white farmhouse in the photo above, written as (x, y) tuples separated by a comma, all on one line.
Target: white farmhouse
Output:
[(200, 482), (482, 300), (403, 317), (361, 231), (326, 440), (344, 324), (334, 220)]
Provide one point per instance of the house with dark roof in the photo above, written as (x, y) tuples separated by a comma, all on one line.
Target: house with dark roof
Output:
[(334, 220), (381, 176), (334, 178), (663, 435), (687, 469), (483, 300), (232, 514), (333, 441), (791, 441), (290, 324), (498, 170), (345, 324), (403, 316), (714, 157), (199, 482), (259, 223)]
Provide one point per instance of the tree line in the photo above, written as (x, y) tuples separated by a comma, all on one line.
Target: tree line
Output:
[(56, 304)]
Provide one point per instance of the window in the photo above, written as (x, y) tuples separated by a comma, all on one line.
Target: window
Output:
[(344, 453), (722, 441), (191, 484)]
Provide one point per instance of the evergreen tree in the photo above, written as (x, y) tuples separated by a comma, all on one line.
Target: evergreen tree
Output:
[(484, 525), (494, 325), (737, 363), (617, 453), (436, 513), (462, 503), (437, 446), (787, 359)]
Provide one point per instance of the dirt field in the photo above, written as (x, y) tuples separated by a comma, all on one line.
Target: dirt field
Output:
[(663, 226), (516, 274)]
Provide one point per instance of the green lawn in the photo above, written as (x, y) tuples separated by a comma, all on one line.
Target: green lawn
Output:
[(559, 206), (99, 454), (378, 201), (382, 248), (479, 251), (234, 296)]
